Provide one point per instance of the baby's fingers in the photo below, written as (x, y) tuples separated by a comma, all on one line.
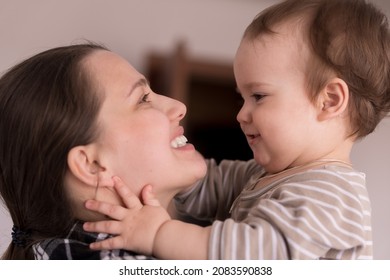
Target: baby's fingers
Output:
[(148, 196), (108, 244), (113, 211), (129, 198), (110, 227)]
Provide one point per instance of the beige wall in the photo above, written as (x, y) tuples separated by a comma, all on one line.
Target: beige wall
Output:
[(212, 28)]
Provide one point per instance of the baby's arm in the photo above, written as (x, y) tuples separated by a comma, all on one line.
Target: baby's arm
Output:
[(147, 229)]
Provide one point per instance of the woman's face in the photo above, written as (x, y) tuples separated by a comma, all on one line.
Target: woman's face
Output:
[(140, 138)]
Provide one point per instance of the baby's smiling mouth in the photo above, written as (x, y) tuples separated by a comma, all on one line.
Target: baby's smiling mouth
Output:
[(251, 138)]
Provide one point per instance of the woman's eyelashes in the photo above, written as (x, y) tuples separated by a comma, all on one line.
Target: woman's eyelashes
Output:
[(145, 98)]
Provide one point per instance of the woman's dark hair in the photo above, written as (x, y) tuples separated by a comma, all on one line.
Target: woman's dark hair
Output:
[(48, 105)]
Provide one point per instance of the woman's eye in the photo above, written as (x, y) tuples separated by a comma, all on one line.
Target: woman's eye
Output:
[(145, 98)]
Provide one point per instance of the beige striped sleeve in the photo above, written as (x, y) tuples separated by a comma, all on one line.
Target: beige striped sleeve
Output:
[(211, 198), (321, 213)]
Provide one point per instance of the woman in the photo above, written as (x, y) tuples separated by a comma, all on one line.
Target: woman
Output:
[(71, 118)]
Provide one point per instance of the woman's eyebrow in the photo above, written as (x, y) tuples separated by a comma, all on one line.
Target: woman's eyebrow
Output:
[(142, 82)]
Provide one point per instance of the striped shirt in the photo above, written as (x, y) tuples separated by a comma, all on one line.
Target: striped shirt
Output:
[(320, 213)]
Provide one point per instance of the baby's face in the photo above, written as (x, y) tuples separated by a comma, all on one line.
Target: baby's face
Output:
[(278, 118)]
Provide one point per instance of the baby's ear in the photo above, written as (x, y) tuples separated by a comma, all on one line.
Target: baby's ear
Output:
[(84, 165), (333, 99)]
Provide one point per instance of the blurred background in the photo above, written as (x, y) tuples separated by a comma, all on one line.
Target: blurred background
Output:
[(185, 48)]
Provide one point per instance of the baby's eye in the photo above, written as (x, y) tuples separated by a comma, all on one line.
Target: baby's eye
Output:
[(145, 98), (258, 96)]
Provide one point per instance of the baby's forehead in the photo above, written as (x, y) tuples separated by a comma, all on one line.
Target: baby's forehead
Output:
[(293, 32), (296, 28), (290, 36)]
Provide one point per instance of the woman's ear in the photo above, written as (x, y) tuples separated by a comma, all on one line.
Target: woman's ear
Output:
[(333, 99), (84, 165)]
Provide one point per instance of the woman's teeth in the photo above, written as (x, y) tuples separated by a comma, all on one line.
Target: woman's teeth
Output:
[(179, 141)]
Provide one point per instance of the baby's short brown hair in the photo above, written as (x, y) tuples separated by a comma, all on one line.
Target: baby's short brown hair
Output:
[(348, 39)]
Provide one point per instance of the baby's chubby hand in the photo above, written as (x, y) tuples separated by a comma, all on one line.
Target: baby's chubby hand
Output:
[(134, 225)]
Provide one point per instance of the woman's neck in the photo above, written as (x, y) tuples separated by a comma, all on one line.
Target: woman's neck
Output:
[(165, 198)]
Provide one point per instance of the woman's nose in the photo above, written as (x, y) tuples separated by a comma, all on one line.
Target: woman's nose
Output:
[(174, 108)]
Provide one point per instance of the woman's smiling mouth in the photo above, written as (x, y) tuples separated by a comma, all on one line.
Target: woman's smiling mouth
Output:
[(179, 141)]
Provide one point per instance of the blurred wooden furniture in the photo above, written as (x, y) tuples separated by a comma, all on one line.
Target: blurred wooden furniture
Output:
[(208, 89)]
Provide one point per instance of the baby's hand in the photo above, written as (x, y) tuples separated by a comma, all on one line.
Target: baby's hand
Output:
[(134, 226)]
